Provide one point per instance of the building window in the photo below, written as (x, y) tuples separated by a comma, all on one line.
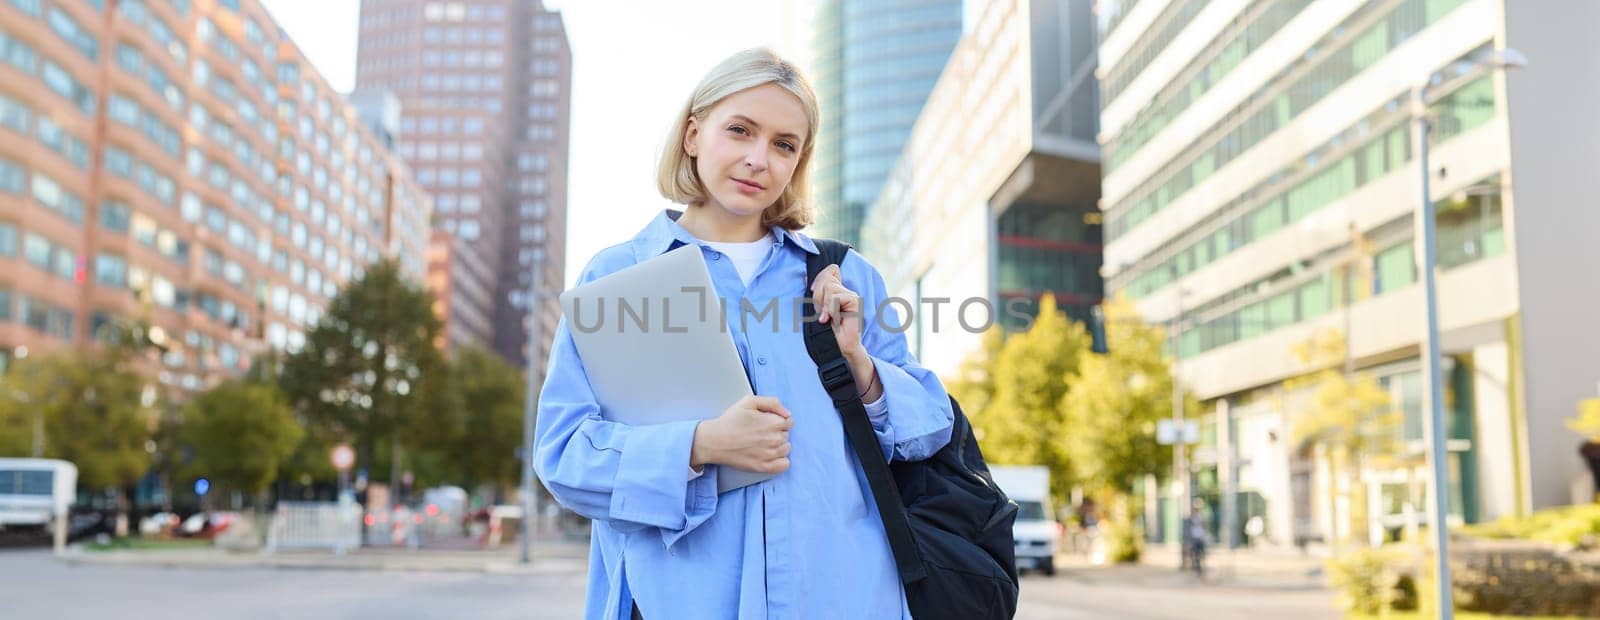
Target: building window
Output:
[(74, 34), (14, 115), (118, 161), (50, 194), (1396, 268), (36, 250), (12, 177), (111, 270), (33, 8), (114, 216), (8, 239)]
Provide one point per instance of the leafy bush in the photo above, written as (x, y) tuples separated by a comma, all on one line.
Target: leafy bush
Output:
[(1123, 541), (1370, 581), (1524, 578), (1516, 578), (1569, 526)]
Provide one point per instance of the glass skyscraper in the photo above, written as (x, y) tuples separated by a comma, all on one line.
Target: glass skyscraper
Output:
[(875, 63)]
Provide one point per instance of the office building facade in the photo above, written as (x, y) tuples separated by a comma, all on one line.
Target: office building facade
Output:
[(991, 204), (484, 88), (1261, 191), (182, 163)]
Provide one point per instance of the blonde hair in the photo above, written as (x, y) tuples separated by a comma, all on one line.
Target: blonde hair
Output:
[(676, 176)]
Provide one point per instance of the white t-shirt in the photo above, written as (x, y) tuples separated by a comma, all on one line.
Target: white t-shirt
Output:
[(747, 257)]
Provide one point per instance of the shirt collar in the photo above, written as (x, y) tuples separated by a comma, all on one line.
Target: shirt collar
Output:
[(659, 235)]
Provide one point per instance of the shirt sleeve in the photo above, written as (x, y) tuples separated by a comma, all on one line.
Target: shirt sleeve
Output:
[(917, 416), (877, 411), (629, 476)]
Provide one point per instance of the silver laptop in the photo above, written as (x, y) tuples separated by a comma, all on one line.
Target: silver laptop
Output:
[(656, 347)]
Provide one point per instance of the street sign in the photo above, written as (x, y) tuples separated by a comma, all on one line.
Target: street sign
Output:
[(343, 457), (1169, 432), (201, 486)]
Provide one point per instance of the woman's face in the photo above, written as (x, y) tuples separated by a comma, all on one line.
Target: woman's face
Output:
[(746, 147)]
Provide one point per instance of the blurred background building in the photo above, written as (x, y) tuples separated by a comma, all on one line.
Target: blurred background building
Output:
[(484, 91), (1261, 188), (182, 162), (993, 196), (873, 63)]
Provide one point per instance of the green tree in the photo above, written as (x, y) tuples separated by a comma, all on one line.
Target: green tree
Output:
[(310, 460), (1115, 401), (1349, 415), (241, 434), (170, 450), (483, 429), (1021, 424), (16, 424), (973, 384), (94, 410), (369, 369)]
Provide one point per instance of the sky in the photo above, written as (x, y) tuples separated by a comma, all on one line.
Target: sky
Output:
[(634, 64)]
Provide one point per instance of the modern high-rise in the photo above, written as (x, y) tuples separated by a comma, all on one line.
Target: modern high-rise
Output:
[(1262, 189), (991, 204), (874, 63), (484, 88), (181, 162)]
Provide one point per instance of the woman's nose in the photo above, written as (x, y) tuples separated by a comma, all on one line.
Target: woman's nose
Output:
[(756, 160)]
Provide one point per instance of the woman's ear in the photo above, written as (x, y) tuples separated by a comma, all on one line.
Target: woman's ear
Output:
[(690, 132)]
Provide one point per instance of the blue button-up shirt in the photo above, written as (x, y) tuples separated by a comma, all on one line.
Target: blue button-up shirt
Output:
[(805, 544)]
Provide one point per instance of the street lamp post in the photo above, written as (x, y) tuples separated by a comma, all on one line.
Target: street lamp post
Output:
[(530, 405), (1427, 258), (1180, 456)]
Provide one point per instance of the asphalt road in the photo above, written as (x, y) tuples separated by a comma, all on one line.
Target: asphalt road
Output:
[(35, 585)]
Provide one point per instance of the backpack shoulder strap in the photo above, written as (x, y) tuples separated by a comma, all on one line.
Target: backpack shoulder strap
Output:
[(830, 252), (841, 387)]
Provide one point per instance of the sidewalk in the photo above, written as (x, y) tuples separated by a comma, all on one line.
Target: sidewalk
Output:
[(549, 557), (1258, 569)]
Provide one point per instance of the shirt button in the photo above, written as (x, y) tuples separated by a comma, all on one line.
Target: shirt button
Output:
[(716, 256), (762, 360)]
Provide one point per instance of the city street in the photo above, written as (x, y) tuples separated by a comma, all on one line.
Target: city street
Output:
[(1155, 593), (39, 586)]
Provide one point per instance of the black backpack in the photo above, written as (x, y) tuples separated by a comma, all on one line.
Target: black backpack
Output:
[(948, 524)]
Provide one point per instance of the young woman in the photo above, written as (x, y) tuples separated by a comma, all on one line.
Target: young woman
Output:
[(807, 543)]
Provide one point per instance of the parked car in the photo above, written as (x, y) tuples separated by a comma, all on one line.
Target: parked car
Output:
[(91, 524), (206, 524), (159, 524), (1036, 531)]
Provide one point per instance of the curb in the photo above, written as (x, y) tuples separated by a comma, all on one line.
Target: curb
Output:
[(225, 560)]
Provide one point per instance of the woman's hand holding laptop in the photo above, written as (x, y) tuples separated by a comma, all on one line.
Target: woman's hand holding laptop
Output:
[(752, 435)]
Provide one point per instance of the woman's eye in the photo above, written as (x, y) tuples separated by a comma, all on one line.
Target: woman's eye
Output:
[(786, 146), (738, 130)]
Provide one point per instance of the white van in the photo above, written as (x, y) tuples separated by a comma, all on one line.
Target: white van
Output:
[(35, 495), (1037, 533)]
